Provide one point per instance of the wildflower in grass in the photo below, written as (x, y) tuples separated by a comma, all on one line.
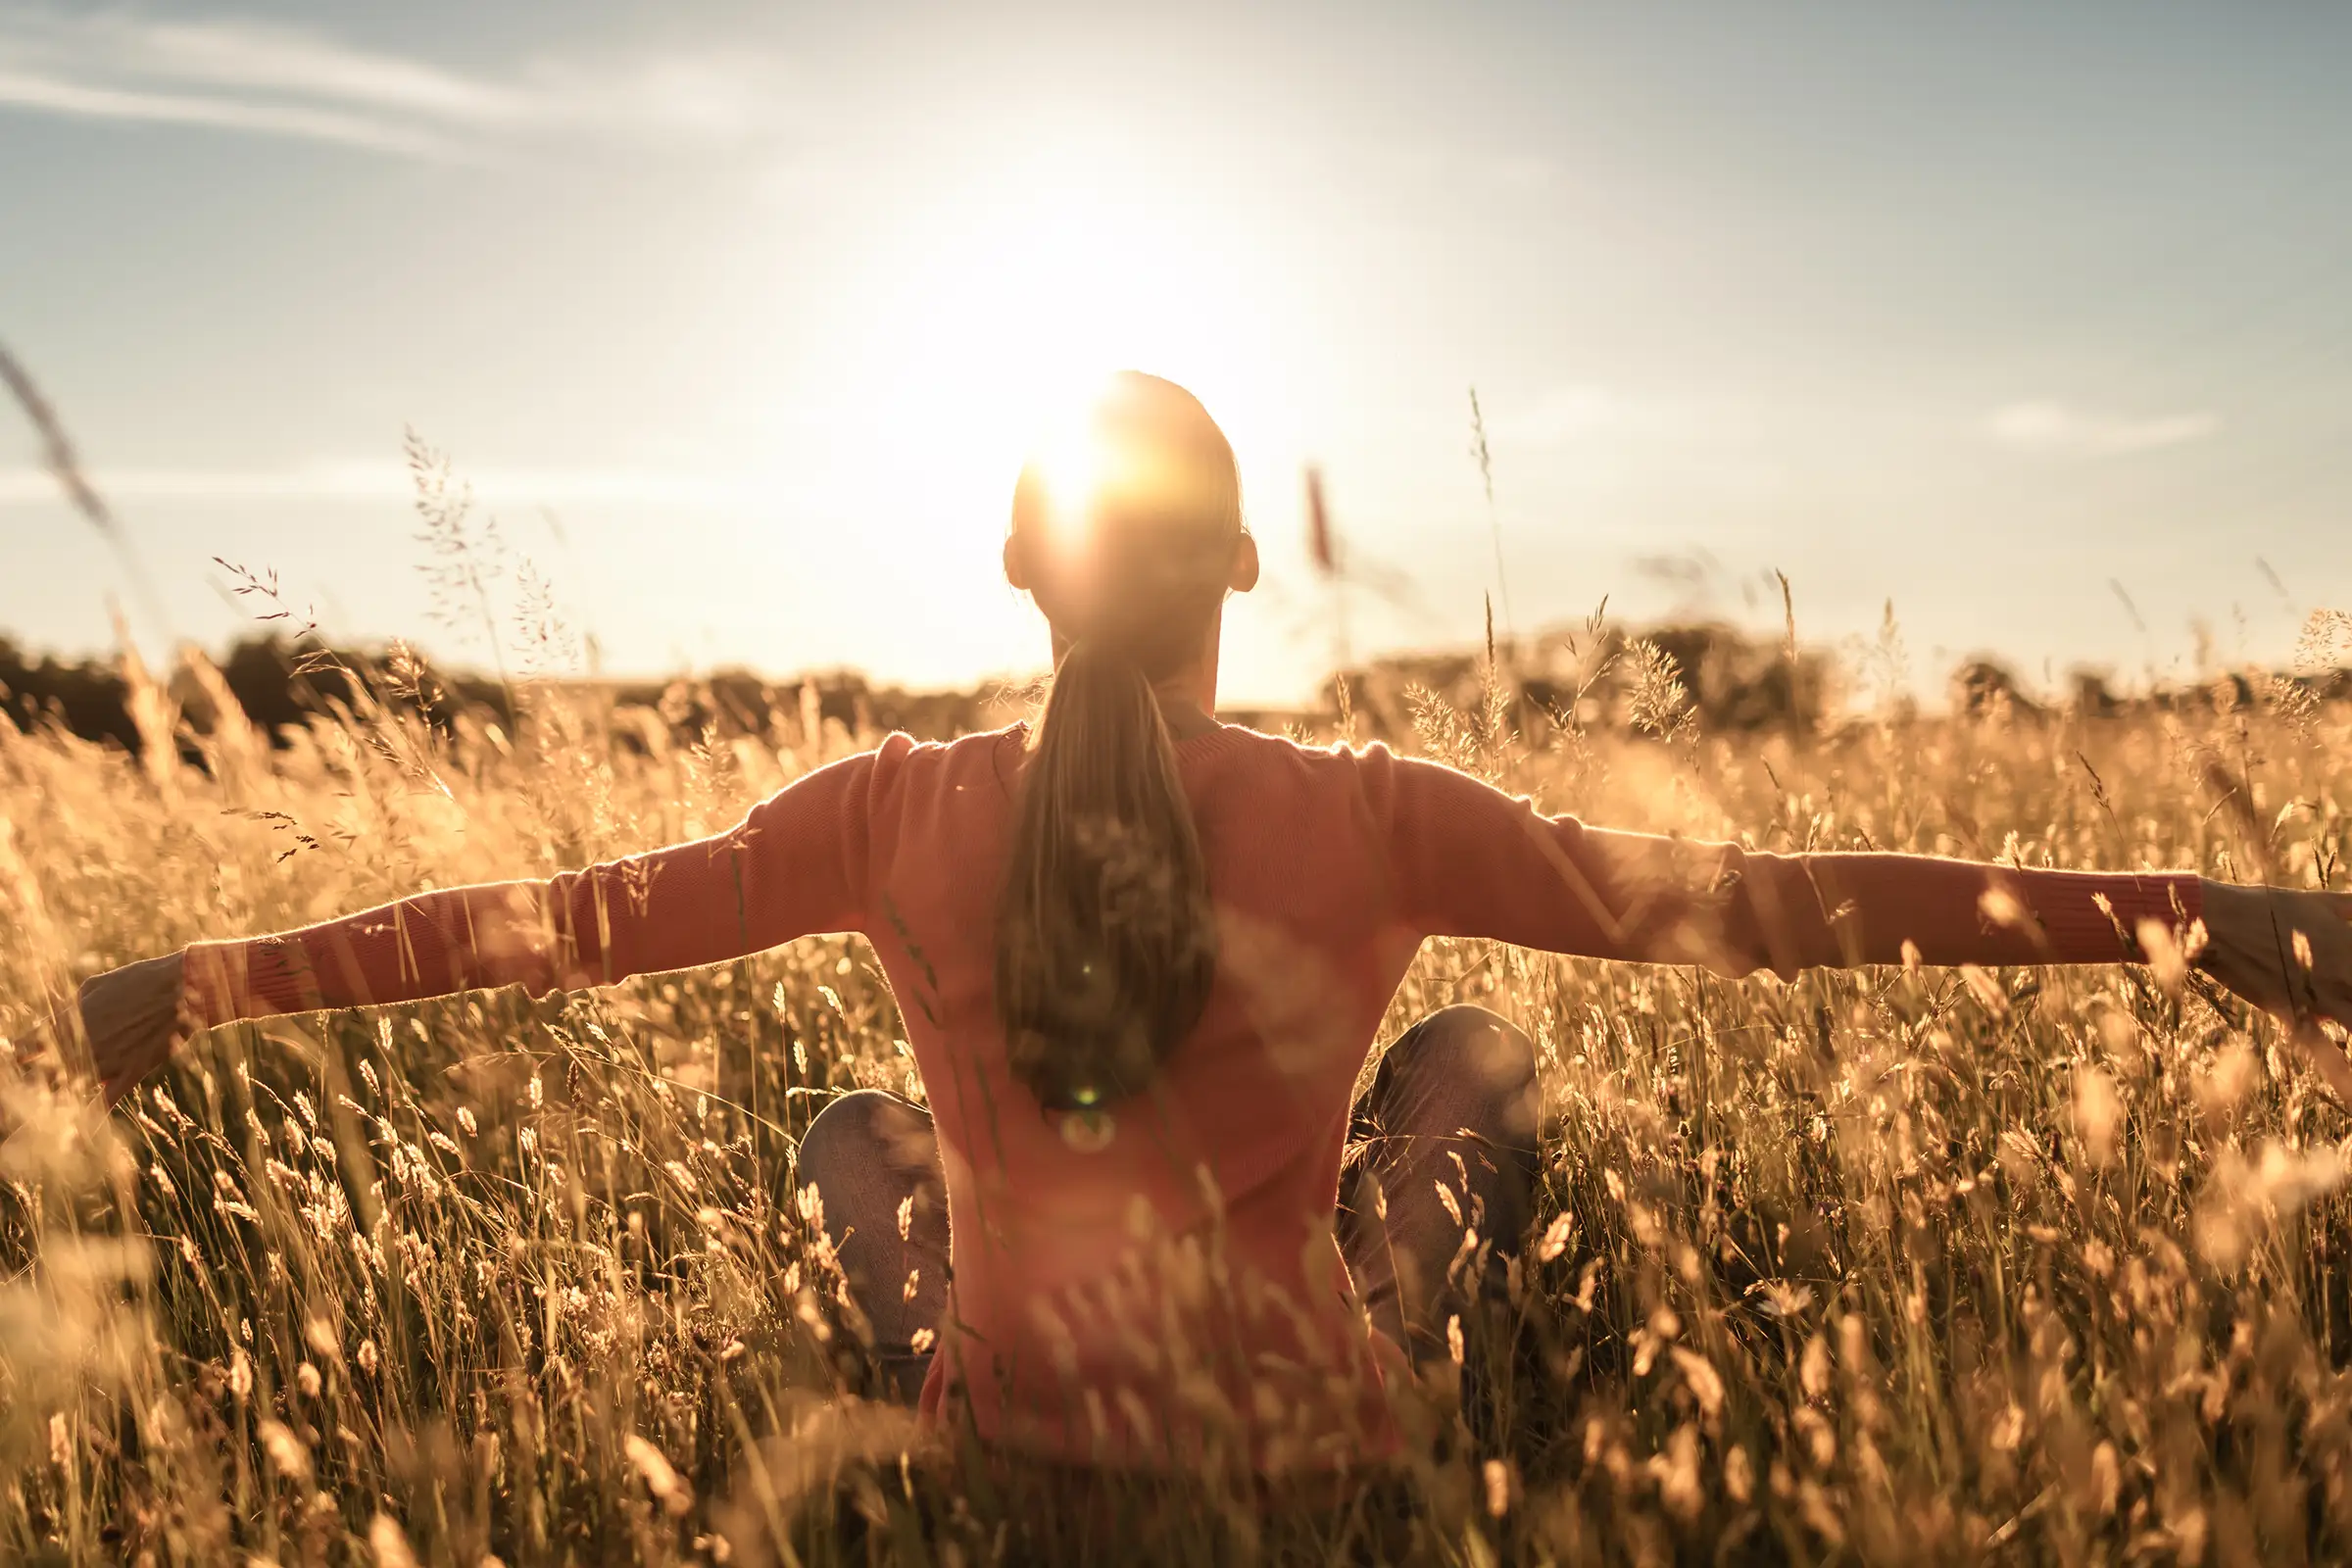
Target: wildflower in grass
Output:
[(389, 1543), (662, 1478), (2098, 1115), (285, 1450)]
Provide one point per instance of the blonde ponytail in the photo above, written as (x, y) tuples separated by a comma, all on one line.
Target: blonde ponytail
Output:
[(1106, 946)]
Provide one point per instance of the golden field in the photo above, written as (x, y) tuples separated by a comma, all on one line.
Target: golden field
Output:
[(1877, 1267)]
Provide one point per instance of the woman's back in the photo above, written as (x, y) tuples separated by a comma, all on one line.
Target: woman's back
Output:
[(1073, 1232), (1164, 1273)]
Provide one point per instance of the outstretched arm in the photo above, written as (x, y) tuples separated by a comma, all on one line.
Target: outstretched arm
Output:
[(1470, 861), (797, 864)]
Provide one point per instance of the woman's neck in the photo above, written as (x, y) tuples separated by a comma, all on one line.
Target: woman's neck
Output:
[(1184, 714), (1188, 696)]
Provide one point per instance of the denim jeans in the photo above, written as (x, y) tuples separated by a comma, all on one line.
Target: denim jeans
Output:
[(1452, 1104)]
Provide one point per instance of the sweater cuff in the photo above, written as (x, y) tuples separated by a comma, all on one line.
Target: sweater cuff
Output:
[(221, 982)]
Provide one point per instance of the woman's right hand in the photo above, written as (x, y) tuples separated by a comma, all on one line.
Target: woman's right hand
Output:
[(133, 1019)]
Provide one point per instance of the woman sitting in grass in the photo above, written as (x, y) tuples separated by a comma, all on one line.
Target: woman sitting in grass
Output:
[(1142, 957)]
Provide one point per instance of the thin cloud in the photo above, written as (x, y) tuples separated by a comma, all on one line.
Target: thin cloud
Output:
[(2056, 428), (270, 80), (282, 59), (82, 101), (390, 482)]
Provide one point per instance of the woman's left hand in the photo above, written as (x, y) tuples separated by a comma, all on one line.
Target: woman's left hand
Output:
[(2289, 953)]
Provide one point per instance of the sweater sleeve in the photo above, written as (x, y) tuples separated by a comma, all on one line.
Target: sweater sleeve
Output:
[(798, 864), (1467, 859)]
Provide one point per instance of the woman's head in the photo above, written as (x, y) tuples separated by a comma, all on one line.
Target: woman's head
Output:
[(1127, 525), (1127, 530)]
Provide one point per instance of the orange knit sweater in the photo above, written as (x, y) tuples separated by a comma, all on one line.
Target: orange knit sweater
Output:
[(1168, 1280)]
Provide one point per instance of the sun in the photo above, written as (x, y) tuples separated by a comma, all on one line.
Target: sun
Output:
[(1009, 302)]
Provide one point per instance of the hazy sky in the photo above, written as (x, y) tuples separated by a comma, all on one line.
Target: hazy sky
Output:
[(736, 315)]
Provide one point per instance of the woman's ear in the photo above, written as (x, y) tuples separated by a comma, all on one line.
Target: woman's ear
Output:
[(1244, 565), (1017, 562)]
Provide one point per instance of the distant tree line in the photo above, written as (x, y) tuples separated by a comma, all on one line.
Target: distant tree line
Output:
[(1719, 678), (279, 685)]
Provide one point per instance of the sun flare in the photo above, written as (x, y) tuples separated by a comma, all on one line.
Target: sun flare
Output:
[(1006, 307)]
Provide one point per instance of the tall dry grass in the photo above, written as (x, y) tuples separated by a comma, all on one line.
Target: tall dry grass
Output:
[(1877, 1266)]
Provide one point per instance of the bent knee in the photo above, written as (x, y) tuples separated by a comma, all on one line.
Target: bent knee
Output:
[(864, 1130), (846, 1130), (1476, 1052), (1493, 1050)]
